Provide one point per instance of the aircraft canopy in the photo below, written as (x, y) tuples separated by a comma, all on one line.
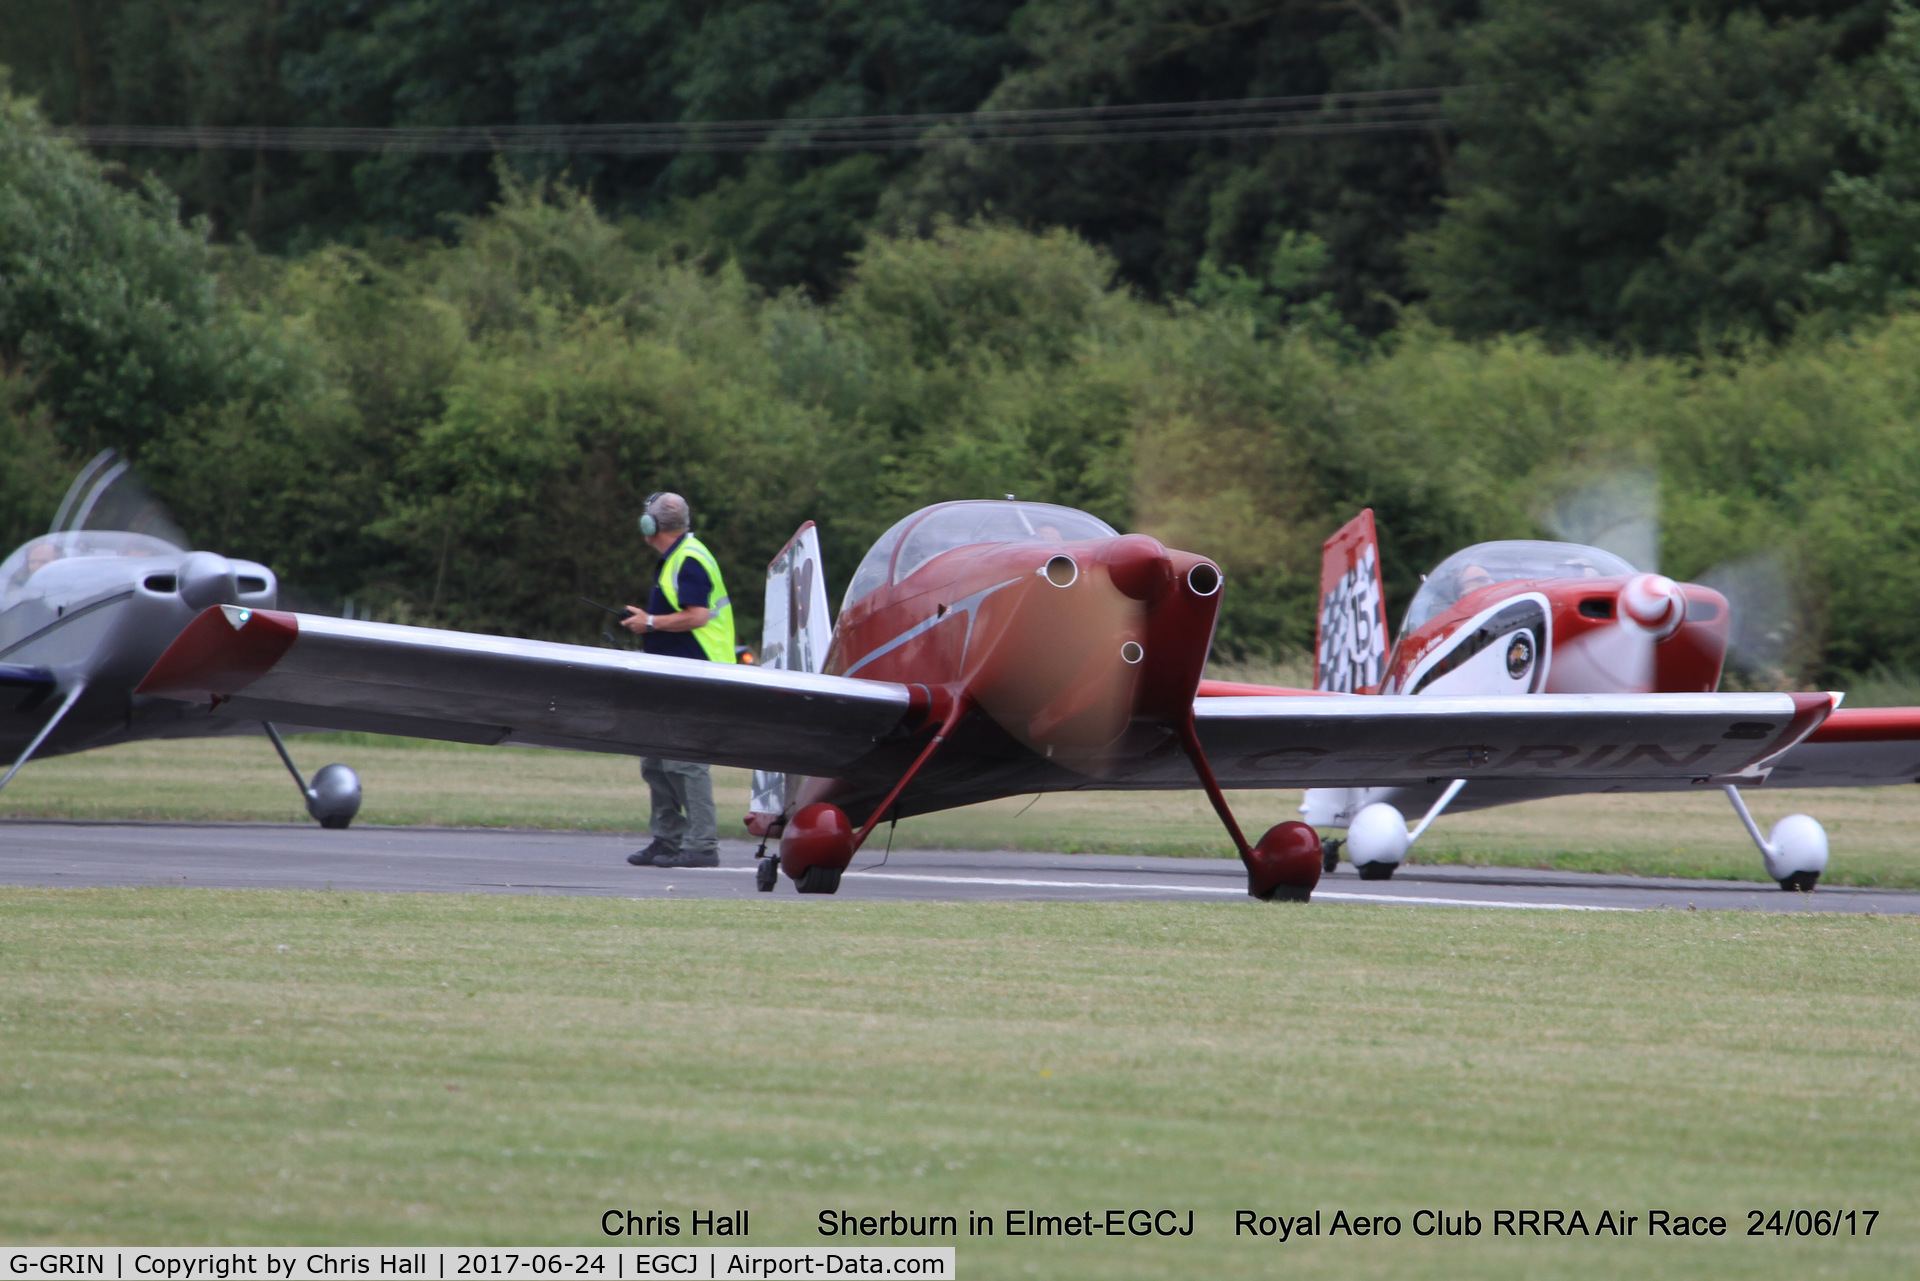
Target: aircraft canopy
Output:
[(932, 530), (30, 557), (1483, 564)]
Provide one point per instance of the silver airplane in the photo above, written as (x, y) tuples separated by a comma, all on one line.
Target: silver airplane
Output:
[(87, 608)]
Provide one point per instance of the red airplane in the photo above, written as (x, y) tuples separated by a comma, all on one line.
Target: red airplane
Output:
[(984, 649), (1545, 618)]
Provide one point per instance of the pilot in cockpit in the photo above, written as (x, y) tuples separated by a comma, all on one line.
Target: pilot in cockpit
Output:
[(1472, 578), (41, 553)]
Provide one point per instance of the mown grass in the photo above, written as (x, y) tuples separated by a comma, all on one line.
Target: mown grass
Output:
[(185, 1066), (410, 782)]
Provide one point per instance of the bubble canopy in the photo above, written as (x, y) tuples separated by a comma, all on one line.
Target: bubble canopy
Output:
[(30, 558), (930, 531), (1483, 564)]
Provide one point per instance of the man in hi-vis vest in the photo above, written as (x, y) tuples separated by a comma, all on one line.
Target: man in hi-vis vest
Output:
[(687, 616)]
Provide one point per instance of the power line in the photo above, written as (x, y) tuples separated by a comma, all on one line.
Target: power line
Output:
[(1380, 111)]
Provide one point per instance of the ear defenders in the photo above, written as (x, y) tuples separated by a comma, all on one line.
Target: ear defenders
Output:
[(648, 525)]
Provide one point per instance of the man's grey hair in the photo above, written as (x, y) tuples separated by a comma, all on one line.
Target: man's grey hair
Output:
[(669, 512)]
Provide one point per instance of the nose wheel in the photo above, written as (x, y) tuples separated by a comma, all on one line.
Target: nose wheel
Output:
[(1795, 850)]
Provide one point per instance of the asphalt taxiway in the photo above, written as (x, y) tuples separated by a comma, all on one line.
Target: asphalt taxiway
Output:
[(493, 861)]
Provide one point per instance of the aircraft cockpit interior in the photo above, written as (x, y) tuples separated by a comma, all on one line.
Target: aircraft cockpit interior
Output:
[(1514, 560)]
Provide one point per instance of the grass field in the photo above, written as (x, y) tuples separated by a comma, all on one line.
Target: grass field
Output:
[(408, 781), (185, 1066)]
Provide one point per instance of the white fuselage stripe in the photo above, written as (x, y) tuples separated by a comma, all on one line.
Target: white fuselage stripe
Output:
[(966, 607)]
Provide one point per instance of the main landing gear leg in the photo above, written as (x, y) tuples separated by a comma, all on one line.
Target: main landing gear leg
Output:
[(820, 841), (333, 798), (60, 714), (1795, 851), (1285, 864)]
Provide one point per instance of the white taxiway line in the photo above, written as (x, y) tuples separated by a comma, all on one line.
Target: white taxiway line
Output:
[(1024, 883), (1468, 902)]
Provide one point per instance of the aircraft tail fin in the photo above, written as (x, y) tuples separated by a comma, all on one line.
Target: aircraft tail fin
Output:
[(1350, 642), (796, 634)]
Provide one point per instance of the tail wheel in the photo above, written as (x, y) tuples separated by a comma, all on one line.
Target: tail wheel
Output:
[(1800, 882), (1376, 871), (1330, 854), (819, 880), (767, 874)]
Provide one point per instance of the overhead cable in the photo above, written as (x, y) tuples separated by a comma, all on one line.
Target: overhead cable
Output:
[(1378, 111)]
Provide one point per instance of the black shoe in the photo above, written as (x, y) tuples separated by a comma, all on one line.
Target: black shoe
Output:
[(658, 854), (689, 858)]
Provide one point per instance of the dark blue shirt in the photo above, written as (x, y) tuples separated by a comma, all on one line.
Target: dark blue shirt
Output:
[(696, 592)]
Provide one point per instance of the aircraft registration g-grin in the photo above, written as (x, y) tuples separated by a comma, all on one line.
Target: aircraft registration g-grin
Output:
[(1566, 620), (983, 649)]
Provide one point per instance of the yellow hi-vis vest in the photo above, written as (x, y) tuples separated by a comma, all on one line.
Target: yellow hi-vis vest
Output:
[(716, 636)]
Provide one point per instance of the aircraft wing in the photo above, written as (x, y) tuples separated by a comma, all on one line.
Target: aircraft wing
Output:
[(332, 673), (1856, 747), (1552, 743)]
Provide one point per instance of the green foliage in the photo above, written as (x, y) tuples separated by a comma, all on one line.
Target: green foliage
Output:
[(461, 433), (106, 302), (35, 469), (1282, 300), (1162, 209), (1881, 210), (1644, 171), (478, 422), (1661, 175), (512, 62)]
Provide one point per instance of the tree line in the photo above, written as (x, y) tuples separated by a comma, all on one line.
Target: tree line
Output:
[(1648, 174), (459, 431)]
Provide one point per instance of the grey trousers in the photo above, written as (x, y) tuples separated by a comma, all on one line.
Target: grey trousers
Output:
[(683, 814)]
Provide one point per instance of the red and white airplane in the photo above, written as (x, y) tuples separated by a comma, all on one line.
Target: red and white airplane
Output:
[(1542, 619), (990, 649)]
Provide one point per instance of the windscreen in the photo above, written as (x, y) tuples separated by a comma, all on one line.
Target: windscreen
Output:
[(932, 530), (31, 558), (1484, 564), (954, 525), (873, 567)]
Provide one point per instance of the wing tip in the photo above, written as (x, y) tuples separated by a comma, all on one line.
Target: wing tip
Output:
[(222, 651)]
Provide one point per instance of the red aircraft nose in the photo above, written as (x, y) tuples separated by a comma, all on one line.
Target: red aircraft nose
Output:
[(1139, 566)]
